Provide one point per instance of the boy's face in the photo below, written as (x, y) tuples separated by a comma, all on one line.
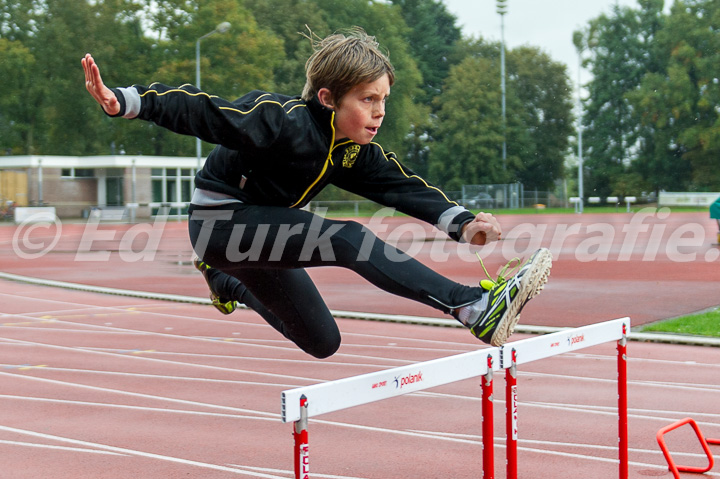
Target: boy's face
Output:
[(361, 111)]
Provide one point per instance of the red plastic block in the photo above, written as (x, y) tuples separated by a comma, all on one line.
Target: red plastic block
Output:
[(703, 442)]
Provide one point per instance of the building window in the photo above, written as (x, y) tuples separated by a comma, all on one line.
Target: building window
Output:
[(77, 173), (172, 185)]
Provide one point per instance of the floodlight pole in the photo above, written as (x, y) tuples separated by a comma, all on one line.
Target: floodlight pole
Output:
[(221, 28), (580, 131), (502, 10)]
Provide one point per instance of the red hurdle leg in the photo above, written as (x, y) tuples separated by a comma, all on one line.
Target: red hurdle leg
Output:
[(487, 418), (300, 433), (623, 404), (511, 411)]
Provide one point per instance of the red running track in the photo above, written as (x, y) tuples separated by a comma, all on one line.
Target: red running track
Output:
[(648, 266), (101, 386)]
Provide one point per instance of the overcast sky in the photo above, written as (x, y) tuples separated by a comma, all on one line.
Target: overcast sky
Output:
[(547, 24)]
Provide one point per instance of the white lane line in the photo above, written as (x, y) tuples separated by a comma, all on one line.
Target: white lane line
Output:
[(634, 413), (474, 439), (637, 410), (433, 435), (522, 373), (33, 399), (292, 473), (636, 359), (310, 362), (134, 452), (395, 432), (158, 376), (634, 382), (454, 437), (164, 361), (345, 344), (529, 374), (58, 448), (174, 315), (540, 442), (227, 408), (289, 346), (141, 395)]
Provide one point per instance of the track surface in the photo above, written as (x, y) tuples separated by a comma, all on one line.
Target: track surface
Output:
[(102, 386)]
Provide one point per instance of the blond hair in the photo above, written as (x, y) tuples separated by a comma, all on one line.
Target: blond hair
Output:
[(343, 60)]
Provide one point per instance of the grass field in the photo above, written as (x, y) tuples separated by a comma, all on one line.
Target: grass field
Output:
[(370, 210), (701, 324)]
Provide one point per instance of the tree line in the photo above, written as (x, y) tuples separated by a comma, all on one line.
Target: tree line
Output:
[(649, 115)]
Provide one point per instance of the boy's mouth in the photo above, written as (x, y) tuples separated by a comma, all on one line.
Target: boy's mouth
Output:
[(372, 129)]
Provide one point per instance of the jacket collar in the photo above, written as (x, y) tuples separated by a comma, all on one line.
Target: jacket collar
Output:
[(322, 115)]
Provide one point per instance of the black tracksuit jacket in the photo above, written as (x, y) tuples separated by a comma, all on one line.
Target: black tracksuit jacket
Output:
[(282, 151)]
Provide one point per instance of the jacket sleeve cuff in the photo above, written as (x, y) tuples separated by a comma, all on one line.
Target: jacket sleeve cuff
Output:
[(452, 221), (129, 100)]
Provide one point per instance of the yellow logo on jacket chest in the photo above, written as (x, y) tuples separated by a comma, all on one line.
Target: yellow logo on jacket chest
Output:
[(351, 153)]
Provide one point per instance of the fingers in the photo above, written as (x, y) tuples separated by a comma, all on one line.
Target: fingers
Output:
[(482, 229), (97, 89), (93, 80), (480, 232), (487, 217), (492, 231)]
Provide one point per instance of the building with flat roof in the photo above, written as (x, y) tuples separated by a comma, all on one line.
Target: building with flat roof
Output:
[(75, 185)]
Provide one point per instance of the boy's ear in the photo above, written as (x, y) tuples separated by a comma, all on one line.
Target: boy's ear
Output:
[(325, 97)]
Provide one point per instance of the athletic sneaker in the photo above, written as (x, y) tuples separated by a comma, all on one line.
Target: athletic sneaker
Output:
[(505, 298), (223, 305)]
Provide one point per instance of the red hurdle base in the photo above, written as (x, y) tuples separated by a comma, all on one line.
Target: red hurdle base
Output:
[(675, 469)]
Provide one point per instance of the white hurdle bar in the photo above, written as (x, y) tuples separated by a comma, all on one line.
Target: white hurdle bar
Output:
[(300, 404)]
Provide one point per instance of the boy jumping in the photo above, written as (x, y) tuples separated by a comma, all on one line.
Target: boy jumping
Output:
[(275, 153)]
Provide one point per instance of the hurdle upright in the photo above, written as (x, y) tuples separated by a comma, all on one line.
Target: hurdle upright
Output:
[(541, 347)]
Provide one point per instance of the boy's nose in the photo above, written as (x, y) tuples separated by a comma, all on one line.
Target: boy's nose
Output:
[(379, 110)]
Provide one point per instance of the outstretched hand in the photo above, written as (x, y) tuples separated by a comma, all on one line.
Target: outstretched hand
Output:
[(94, 84), (483, 229)]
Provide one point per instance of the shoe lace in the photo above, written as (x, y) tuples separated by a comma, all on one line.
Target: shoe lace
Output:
[(505, 272)]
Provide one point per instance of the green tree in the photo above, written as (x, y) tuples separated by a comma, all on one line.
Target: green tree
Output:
[(242, 59), (620, 54), (292, 29), (58, 49), (467, 147), (50, 113), (432, 35), (679, 102), (17, 112), (543, 90), (468, 138), (23, 93)]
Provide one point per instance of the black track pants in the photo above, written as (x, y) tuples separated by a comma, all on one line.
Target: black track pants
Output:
[(263, 250)]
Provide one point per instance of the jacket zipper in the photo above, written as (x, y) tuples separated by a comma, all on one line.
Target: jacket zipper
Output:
[(325, 166)]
